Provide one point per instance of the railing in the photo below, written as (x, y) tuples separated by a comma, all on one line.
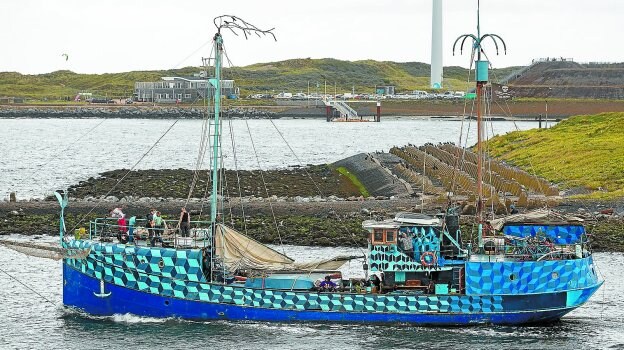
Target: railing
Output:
[(345, 110), (169, 234), (532, 249)]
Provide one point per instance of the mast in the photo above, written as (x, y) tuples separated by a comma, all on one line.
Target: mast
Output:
[(218, 49), (481, 78), (236, 25)]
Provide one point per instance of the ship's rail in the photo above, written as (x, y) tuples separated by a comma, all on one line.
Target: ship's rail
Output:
[(532, 249), (169, 234)]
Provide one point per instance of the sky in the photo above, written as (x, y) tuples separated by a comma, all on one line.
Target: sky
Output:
[(125, 35)]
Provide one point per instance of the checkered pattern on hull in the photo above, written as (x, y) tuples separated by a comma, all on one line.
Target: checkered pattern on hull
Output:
[(179, 276), (529, 277), (389, 258)]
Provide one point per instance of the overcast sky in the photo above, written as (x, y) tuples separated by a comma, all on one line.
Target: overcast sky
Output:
[(126, 35)]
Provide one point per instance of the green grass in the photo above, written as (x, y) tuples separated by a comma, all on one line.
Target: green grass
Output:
[(273, 77), (582, 151), (354, 180)]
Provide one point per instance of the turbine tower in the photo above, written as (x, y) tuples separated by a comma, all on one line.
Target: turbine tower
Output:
[(436, 44)]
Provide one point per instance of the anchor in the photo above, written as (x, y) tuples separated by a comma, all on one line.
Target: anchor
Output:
[(102, 293)]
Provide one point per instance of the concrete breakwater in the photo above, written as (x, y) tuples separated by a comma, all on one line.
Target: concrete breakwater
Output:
[(127, 112)]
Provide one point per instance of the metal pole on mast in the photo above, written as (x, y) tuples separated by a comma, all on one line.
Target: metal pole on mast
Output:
[(481, 74), (218, 49)]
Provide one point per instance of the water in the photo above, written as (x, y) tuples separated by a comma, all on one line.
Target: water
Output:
[(29, 322), (43, 155), (40, 155)]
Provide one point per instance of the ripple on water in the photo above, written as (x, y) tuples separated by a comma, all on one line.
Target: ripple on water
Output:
[(29, 322)]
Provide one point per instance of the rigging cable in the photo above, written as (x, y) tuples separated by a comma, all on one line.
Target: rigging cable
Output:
[(27, 287), (125, 175), (265, 187), (316, 185)]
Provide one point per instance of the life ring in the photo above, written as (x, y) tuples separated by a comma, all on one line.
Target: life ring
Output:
[(428, 259)]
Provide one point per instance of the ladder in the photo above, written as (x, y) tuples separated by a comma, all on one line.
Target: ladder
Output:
[(458, 279)]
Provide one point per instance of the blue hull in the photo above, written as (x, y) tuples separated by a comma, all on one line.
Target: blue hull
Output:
[(97, 297)]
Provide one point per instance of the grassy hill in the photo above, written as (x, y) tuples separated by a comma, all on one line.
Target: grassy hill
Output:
[(583, 151), (290, 75)]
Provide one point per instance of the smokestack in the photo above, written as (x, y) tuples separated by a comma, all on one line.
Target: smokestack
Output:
[(436, 44)]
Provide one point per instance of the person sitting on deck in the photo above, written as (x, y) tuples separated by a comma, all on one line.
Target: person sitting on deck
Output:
[(377, 282), (405, 243), (328, 285)]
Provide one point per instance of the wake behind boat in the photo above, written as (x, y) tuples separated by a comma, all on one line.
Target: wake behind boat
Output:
[(524, 270)]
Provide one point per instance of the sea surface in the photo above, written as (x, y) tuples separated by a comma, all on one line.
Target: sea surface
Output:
[(30, 320), (40, 156)]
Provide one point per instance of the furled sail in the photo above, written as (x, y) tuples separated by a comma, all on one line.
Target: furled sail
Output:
[(538, 215), (44, 250), (241, 252)]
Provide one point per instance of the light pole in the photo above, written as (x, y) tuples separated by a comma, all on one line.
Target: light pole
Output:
[(546, 117)]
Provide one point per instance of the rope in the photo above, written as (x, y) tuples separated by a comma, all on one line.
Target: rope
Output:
[(27, 287), (238, 182), (316, 185), (266, 190), (125, 175)]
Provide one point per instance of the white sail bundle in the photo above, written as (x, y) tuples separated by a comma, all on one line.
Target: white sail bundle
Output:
[(241, 252)]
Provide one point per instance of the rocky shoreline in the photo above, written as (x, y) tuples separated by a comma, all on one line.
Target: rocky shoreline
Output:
[(127, 112), (520, 109), (294, 214)]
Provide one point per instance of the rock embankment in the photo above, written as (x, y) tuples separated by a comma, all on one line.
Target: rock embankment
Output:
[(371, 171), (309, 182), (127, 112)]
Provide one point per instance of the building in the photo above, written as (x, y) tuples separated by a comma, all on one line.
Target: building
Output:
[(180, 89), (384, 90)]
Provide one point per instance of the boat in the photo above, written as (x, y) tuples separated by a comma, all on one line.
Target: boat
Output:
[(524, 269)]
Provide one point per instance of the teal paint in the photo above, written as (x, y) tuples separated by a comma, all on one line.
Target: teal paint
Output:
[(399, 276), (572, 297), (218, 46), (481, 71), (441, 289)]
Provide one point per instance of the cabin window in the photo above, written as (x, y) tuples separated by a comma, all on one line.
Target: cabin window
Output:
[(378, 236), (391, 236)]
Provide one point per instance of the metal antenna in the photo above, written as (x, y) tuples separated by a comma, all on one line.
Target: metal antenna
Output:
[(478, 39), (238, 25), (481, 72)]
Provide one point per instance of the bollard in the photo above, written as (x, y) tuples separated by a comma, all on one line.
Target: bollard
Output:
[(12, 197)]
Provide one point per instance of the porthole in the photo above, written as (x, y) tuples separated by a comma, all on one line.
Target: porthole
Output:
[(166, 302), (554, 275), (512, 277), (161, 263)]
